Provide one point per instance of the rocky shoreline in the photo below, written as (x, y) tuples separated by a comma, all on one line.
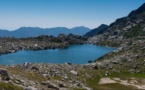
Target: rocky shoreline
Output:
[(44, 42)]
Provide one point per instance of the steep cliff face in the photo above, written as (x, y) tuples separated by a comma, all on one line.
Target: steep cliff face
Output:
[(132, 26)]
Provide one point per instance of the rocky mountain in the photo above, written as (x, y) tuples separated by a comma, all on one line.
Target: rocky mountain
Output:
[(35, 31), (128, 34), (96, 31), (131, 26)]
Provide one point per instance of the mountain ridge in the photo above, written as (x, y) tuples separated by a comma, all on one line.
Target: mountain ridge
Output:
[(36, 31), (131, 26), (98, 30)]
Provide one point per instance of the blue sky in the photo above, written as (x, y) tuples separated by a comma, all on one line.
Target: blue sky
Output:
[(63, 13)]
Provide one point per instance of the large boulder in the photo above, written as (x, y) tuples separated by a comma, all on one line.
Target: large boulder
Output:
[(74, 72), (35, 68), (52, 87), (5, 74), (26, 64)]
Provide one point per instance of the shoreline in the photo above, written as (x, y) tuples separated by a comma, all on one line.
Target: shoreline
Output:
[(86, 61), (44, 42)]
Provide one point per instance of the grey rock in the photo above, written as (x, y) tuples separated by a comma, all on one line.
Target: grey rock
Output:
[(115, 62), (68, 63), (77, 85), (5, 73), (44, 75), (61, 85), (74, 72), (26, 64), (44, 83), (110, 67), (95, 67), (35, 68), (52, 87), (30, 88)]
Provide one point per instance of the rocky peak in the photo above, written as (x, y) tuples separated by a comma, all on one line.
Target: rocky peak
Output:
[(96, 31), (102, 26), (138, 12)]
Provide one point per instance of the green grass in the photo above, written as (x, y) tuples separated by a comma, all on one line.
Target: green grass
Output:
[(109, 43), (57, 78), (7, 86), (93, 83), (127, 75), (27, 74), (34, 76), (94, 79)]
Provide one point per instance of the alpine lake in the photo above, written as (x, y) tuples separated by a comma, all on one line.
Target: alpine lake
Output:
[(76, 54)]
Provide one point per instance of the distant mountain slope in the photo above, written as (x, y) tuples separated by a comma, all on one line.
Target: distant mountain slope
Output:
[(131, 26), (96, 31), (35, 31)]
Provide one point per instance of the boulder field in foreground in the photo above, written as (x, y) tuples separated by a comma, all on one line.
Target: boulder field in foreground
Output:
[(47, 76)]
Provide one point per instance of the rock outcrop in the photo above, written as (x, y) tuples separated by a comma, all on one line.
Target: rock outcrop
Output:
[(96, 31), (11, 45), (5, 74)]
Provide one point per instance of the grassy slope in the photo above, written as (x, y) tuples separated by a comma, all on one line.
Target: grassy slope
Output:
[(7, 86)]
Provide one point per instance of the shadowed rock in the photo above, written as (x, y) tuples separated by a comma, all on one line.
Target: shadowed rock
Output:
[(5, 74)]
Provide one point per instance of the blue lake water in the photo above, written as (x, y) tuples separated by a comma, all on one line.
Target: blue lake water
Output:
[(77, 54)]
